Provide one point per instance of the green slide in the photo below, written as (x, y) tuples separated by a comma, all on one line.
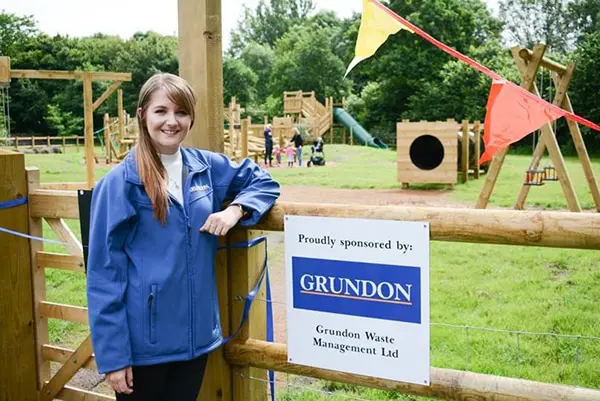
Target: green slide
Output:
[(361, 134)]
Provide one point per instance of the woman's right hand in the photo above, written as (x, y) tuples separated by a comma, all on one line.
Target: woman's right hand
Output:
[(121, 380)]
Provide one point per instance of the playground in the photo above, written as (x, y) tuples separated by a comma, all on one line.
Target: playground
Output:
[(514, 268)]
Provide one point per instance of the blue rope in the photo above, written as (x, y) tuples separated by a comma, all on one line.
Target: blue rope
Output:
[(251, 295), (13, 203), (19, 202)]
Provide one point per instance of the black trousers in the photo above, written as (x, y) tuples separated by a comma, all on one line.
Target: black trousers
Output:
[(173, 381), (268, 153)]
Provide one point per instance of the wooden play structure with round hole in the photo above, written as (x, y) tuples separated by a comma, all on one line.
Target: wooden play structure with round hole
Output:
[(434, 152)]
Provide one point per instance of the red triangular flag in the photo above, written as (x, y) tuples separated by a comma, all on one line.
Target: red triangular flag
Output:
[(511, 115)]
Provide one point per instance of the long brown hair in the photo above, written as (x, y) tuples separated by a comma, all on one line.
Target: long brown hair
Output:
[(151, 170)]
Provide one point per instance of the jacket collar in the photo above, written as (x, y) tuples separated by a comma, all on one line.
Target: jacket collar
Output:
[(191, 161)]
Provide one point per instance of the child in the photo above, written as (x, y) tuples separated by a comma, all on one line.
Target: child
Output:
[(277, 151), (290, 152)]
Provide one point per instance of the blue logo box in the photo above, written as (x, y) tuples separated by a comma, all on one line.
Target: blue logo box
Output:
[(356, 288)]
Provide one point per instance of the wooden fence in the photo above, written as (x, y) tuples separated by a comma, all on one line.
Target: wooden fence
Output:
[(32, 142), (25, 347)]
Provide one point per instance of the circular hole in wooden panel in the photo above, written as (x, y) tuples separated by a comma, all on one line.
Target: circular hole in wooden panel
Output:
[(426, 152)]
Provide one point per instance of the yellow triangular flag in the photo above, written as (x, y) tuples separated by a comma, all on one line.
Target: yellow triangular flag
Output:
[(375, 27)]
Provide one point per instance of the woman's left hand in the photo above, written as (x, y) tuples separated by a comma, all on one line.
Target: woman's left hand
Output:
[(221, 222)]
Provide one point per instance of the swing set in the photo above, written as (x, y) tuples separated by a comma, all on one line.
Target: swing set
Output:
[(529, 63)]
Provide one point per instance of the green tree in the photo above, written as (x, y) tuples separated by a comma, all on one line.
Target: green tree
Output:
[(406, 63), (260, 59), (305, 61), (584, 17), (239, 81), (585, 86), (15, 32), (268, 22), (529, 22), (64, 123)]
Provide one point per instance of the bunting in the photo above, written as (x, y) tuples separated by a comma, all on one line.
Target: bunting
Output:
[(511, 116), (375, 27), (512, 111)]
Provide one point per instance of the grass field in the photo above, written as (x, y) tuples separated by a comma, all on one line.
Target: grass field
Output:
[(518, 289)]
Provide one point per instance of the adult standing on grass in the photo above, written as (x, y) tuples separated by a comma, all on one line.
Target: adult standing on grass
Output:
[(298, 142), (155, 219), (268, 146)]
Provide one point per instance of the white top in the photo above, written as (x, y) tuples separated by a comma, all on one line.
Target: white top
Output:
[(174, 166)]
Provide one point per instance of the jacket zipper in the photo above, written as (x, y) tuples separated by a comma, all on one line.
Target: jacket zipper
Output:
[(152, 310), (188, 245)]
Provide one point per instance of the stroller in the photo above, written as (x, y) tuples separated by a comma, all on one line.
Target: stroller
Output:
[(317, 156)]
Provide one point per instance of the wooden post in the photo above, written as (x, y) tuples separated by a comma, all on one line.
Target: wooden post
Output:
[(107, 138), (343, 137), (17, 336), (351, 135), (64, 144), (201, 64), (48, 141), (17, 143), (245, 266), (477, 149), (121, 116), (89, 128), (39, 282), (245, 125), (464, 168)]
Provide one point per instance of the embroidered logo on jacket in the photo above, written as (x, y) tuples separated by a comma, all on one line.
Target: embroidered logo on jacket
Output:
[(198, 188)]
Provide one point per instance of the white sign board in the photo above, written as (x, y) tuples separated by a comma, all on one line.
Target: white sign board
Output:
[(358, 296)]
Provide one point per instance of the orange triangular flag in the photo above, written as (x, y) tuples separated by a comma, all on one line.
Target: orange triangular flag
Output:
[(511, 115)]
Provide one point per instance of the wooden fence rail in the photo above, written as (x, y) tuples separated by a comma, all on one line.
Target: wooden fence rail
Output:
[(447, 384), (508, 227)]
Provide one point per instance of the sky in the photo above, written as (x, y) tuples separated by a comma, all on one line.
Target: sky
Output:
[(77, 18)]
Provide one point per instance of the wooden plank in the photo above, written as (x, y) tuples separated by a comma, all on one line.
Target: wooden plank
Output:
[(5, 70), (105, 95), (54, 204), (64, 233), (60, 261), (446, 384), (245, 267), (527, 82), (552, 65), (88, 114), (17, 336), (67, 370), (39, 282), (53, 74), (70, 313), (55, 353), (245, 124), (477, 149), (69, 393), (464, 168)]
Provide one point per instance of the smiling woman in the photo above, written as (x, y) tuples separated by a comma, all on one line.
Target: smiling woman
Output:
[(155, 218)]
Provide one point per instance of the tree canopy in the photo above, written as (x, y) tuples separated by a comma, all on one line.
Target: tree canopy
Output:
[(286, 45)]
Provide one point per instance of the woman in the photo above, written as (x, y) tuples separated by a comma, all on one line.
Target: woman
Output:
[(152, 298)]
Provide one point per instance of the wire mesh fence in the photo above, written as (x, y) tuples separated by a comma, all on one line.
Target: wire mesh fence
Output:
[(567, 359)]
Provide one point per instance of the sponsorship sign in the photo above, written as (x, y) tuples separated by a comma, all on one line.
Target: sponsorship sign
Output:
[(358, 296)]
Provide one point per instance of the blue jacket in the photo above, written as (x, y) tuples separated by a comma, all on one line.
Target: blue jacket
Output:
[(152, 295)]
